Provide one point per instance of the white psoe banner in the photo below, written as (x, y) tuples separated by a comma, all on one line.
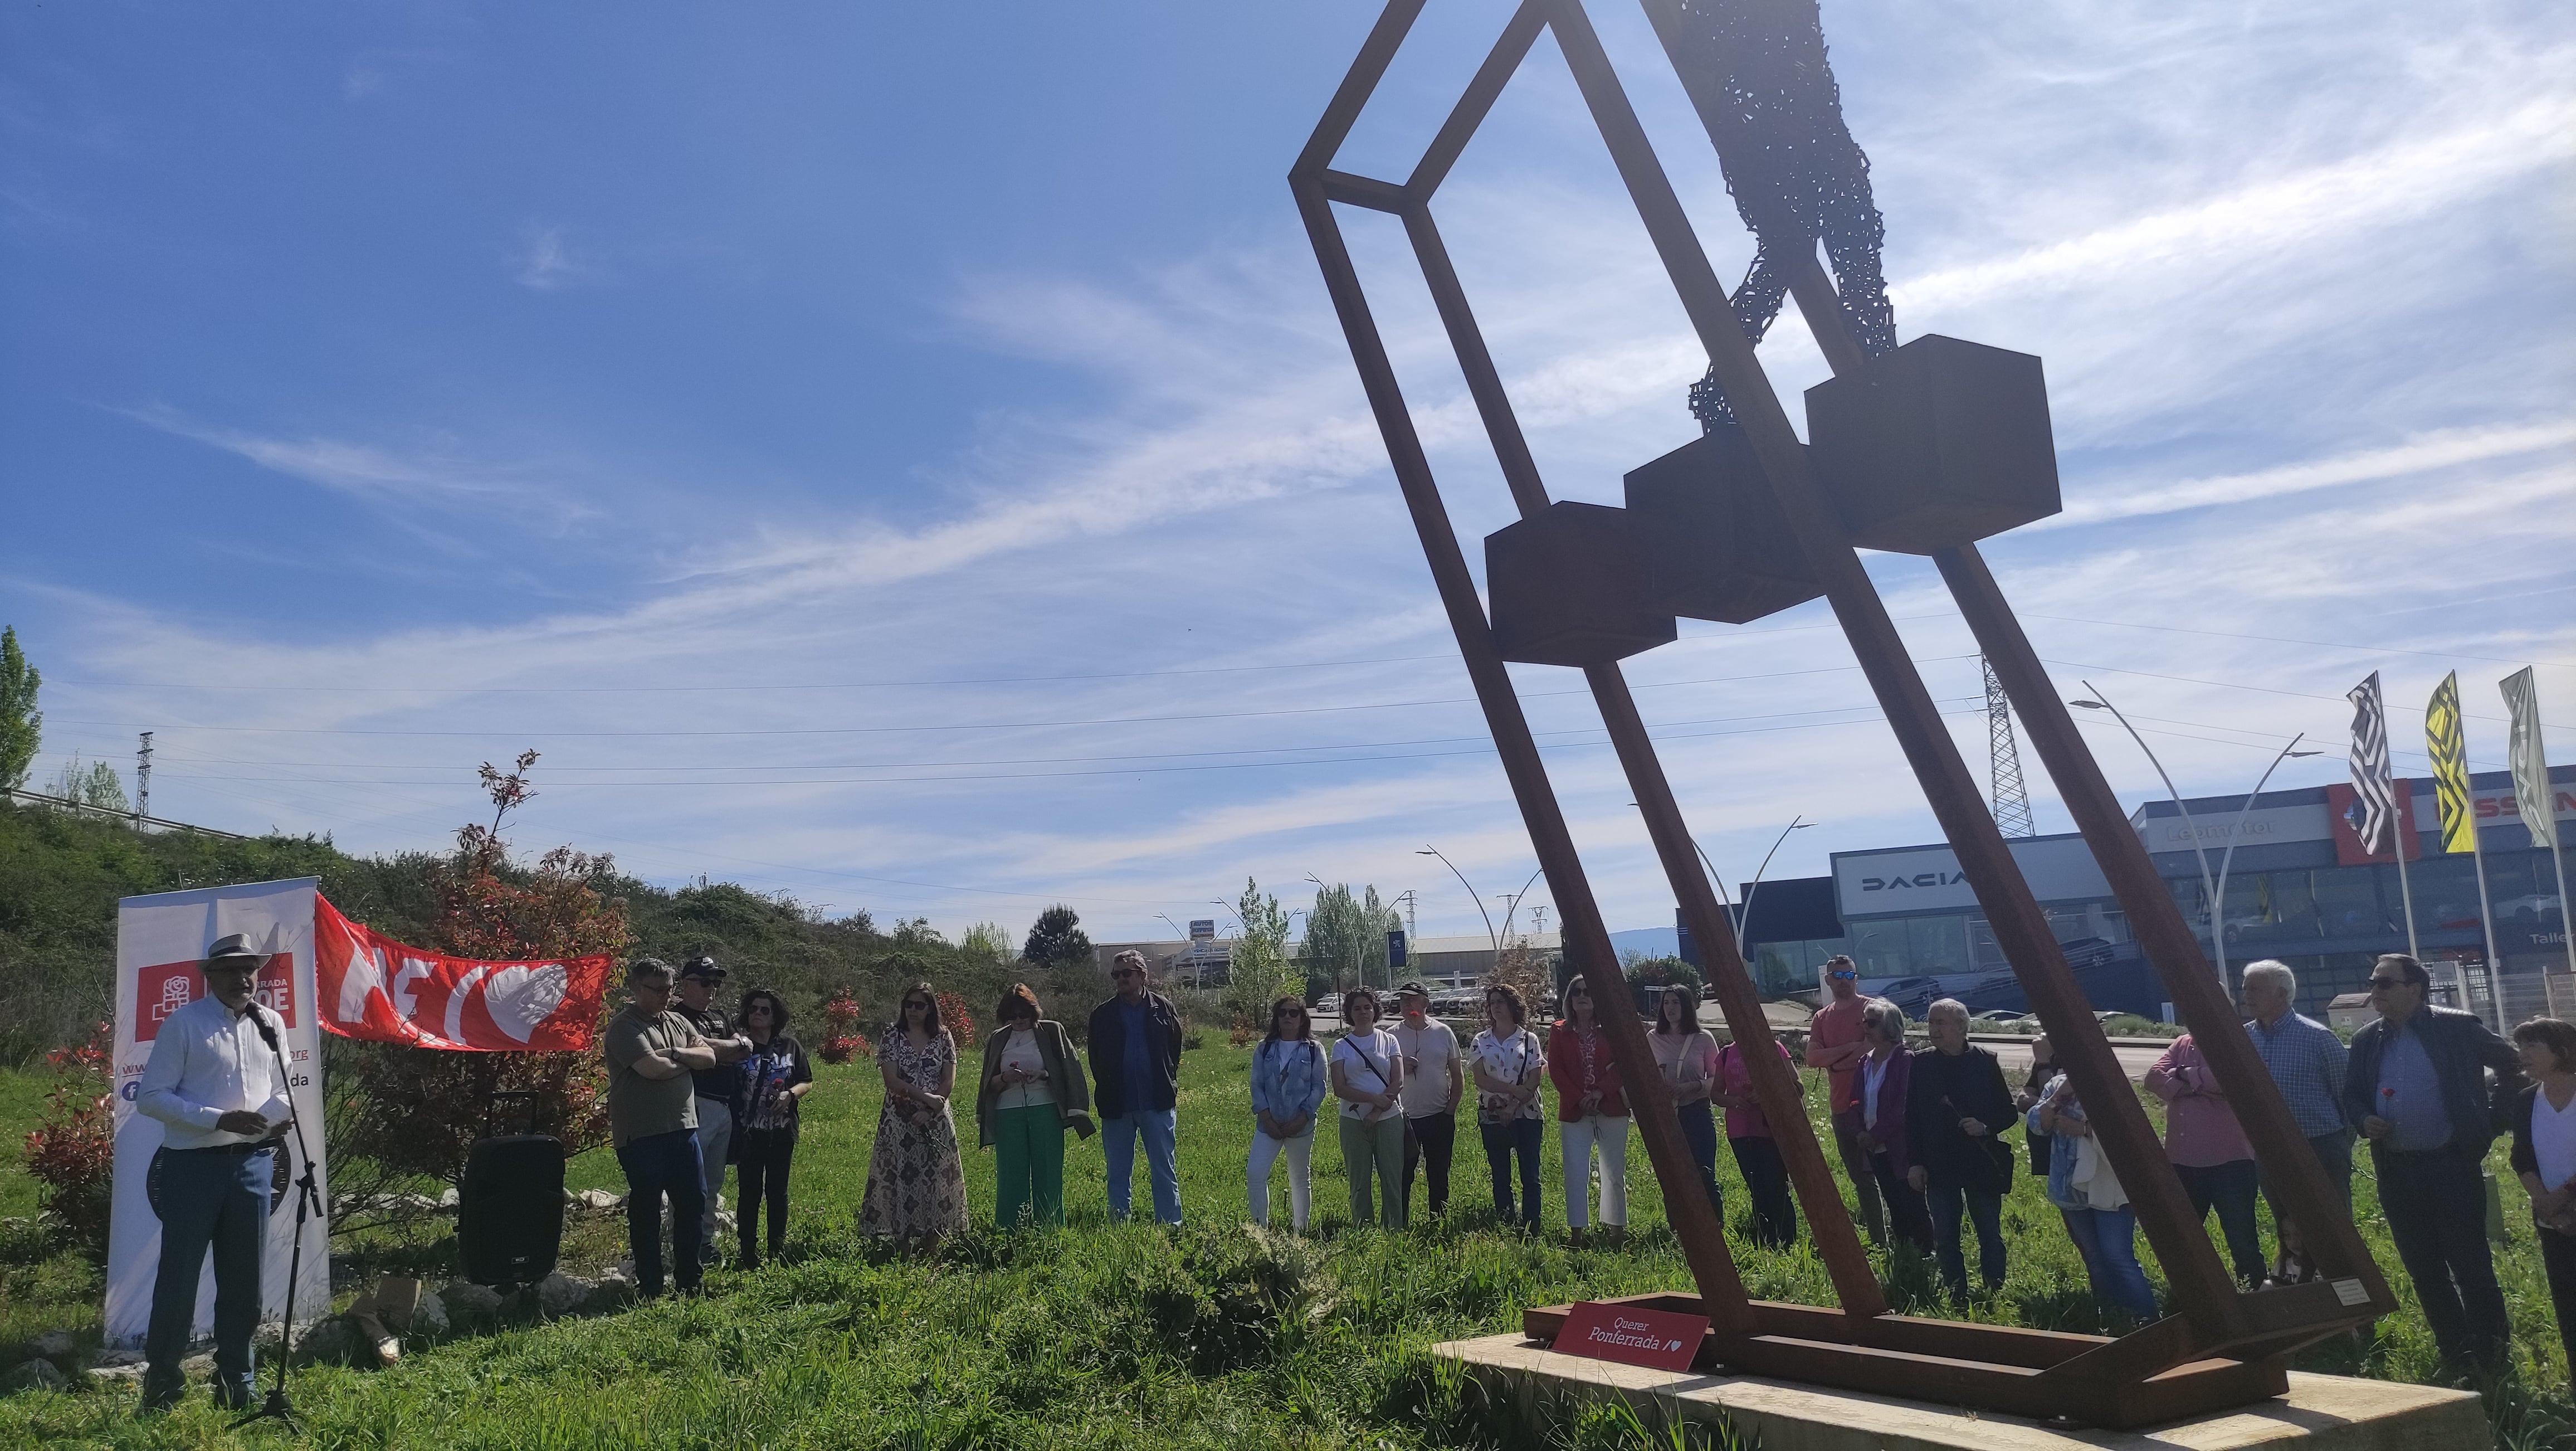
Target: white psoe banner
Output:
[(160, 942)]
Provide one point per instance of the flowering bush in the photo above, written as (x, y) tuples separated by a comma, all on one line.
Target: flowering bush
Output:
[(954, 1017), (842, 1039), (1242, 1032), (72, 1150)]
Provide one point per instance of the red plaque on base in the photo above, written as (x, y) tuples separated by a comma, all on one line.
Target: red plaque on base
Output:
[(1631, 1336)]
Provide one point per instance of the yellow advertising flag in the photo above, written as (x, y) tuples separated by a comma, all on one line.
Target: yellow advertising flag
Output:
[(2448, 742)]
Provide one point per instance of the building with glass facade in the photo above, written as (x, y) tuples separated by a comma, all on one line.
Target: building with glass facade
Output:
[(2298, 888)]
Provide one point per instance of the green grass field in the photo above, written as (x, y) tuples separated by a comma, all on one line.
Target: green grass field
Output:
[(1101, 1335)]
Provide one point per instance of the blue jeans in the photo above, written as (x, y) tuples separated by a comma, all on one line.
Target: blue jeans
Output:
[(210, 1199), (2108, 1241), (1699, 1130), (1985, 1209), (655, 1165), (1518, 1136), (715, 1134), (1118, 1142)]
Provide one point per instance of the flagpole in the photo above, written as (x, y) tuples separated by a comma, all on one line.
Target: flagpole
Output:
[(2405, 890)]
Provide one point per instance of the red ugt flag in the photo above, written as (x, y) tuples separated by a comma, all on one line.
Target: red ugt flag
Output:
[(366, 985)]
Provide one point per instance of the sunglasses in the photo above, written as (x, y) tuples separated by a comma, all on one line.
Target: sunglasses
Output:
[(1126, 972), (761, 1008), (2377, 983), (910, 1003), (1838, 972)]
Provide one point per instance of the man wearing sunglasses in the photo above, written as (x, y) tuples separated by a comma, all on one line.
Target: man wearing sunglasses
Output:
[(2417, 1086), (1135, 1073), (1836, 1043)]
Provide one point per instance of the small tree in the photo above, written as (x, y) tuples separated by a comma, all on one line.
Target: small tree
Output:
[(1056, 938), (1261, 971), (1346, 936), (419, 1110), (22, 726), (989, 940), (91, 784)]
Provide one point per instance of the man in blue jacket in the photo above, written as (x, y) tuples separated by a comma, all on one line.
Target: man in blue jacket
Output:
[(1135, 1073), (2417, 1087)]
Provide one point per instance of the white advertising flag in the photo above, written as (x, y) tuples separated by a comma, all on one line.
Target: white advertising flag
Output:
[(160, 941), (2522, 751)]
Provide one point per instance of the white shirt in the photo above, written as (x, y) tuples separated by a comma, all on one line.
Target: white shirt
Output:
[(1368, 1066), (207, 1061), (1020, 1051), (1513, 1060), (2553, 1140), (1428, 1051), (1873, 1072)]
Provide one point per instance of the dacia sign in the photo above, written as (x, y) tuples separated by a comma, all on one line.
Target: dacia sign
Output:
[(1928, 879)]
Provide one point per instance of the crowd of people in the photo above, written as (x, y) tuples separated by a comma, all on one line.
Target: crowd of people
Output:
[(695, 1089), (1920, 1131)]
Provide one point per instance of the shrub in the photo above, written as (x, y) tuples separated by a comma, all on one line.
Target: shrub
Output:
[(842, 1039), (71, 1154), (417, 1111), (954, 1017)]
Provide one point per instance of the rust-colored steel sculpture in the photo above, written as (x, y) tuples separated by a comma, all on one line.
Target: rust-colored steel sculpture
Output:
[(1926, 448)]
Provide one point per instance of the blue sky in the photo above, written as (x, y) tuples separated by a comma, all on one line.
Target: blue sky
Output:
[(902, 456)]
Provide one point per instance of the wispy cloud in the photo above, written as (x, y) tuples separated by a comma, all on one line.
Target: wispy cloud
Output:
[(543, 261), (2425, 453)]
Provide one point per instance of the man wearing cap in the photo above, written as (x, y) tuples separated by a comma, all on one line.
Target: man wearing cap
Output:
[(1135, 1046), (1835, 1043), (699, 980), (653, 1123), (1430, 1092), (213, 1083)]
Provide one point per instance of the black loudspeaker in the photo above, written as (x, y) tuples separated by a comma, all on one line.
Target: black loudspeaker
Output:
[(510, 1209)]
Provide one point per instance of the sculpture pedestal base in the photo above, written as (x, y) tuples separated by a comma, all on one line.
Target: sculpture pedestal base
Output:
[(2318, 1413)]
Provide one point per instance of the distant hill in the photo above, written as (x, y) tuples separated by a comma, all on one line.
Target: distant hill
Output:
[(62, 872), (1652, 941)]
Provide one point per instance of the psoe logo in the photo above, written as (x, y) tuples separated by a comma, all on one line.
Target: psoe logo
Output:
[(1919, 879), (165, 988)]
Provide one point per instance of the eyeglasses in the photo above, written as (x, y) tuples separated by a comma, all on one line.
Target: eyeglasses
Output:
[(762, 1008), (2378, 983), (1126, 972), (1842, 972), (911, 1003)]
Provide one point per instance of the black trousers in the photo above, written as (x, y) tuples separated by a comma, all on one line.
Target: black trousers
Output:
[(1908, 1217), (2558, 1257), (760, 1176), (1766, 1182), (655, 1165), (2436, 1203), (1431, 1142)]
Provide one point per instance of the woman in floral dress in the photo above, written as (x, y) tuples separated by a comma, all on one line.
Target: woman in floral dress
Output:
[(916, 1191)]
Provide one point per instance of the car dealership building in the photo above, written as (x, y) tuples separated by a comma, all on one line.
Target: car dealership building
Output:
[(2298, 889)]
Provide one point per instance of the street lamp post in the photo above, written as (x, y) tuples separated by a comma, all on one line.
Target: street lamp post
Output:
[(2214, 885), (1430, 850), (1753, 888)]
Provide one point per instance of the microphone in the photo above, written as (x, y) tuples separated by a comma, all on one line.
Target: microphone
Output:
[(267, 1034)]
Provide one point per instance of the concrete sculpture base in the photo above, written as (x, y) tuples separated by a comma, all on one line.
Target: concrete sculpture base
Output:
[(2319, 1413)]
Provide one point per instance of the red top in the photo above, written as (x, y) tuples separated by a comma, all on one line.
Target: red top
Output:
[(1835, 1024), (1580, 1063)]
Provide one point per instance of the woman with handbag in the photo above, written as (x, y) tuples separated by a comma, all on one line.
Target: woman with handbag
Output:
[(2544, 1154), (1956, 1105), (1032, 1091), (1287, 1088), (1367, 1069)]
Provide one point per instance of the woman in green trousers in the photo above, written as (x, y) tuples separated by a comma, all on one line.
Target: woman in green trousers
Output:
[(1032, 1091), (1367, 1074)]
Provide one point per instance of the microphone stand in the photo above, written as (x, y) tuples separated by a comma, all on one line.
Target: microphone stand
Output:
[(308, 1200)]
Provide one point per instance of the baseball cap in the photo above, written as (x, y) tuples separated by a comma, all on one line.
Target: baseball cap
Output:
[(703, 967), (1414, 985)]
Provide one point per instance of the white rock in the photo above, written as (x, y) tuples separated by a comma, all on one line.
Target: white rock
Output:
[(429, 1317), (117, 1358), (562, 1294), (724, 1220), (595, 1201), (447, 1199), (53, 1342)]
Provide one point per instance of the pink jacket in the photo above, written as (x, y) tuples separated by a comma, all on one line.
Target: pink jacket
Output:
[(2200, 1129)]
